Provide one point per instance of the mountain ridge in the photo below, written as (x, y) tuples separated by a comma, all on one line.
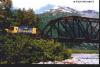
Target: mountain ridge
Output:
[(62, 9)]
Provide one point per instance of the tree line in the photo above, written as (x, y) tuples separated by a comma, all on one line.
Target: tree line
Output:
[(16, 17)]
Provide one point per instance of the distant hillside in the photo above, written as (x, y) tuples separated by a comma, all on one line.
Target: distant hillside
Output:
[(56, 12), (90, 13), (59, 11)]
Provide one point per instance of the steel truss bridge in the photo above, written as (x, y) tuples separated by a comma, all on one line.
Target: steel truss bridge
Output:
[(72, 29)]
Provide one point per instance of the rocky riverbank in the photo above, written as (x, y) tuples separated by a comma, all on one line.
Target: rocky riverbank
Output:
[(77, 59)]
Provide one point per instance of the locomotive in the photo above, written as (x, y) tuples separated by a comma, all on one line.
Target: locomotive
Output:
[(22, 29)]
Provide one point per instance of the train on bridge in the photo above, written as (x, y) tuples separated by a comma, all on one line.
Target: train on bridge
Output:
[(71, 28)]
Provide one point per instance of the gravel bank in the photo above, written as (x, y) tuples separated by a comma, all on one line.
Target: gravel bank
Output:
[(77, 59)]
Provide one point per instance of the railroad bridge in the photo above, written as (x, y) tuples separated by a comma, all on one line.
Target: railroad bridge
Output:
[(72, 29)]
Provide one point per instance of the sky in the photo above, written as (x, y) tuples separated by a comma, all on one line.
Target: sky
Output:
[(38, 4)]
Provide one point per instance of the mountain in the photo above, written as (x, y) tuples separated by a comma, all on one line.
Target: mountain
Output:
[(56, 9), (67, 11), (56, 12), (90, 13), (60, 9), (44, 9)]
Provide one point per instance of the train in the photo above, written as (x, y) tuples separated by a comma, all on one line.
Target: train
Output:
[(22, 29)]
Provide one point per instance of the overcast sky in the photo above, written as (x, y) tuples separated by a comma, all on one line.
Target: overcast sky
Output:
[(37, 4)]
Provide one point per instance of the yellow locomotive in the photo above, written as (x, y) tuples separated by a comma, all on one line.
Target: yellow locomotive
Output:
[(21, 29)]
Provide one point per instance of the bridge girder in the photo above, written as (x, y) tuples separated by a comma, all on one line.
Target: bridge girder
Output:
[(72, 28)]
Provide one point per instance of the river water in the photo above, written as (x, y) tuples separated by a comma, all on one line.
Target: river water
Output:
[(86, 58), (77, 59)]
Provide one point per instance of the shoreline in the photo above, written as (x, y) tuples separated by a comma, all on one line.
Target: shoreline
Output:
[(76, 60)]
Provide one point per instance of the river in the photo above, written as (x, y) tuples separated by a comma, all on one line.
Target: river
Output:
[(77, 59), (86, 58)]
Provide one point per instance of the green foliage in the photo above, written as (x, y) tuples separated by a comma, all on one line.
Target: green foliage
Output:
[(85, 51), (22, 49), (16, 17), (25, 17), (3, 62), (67, 53)]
